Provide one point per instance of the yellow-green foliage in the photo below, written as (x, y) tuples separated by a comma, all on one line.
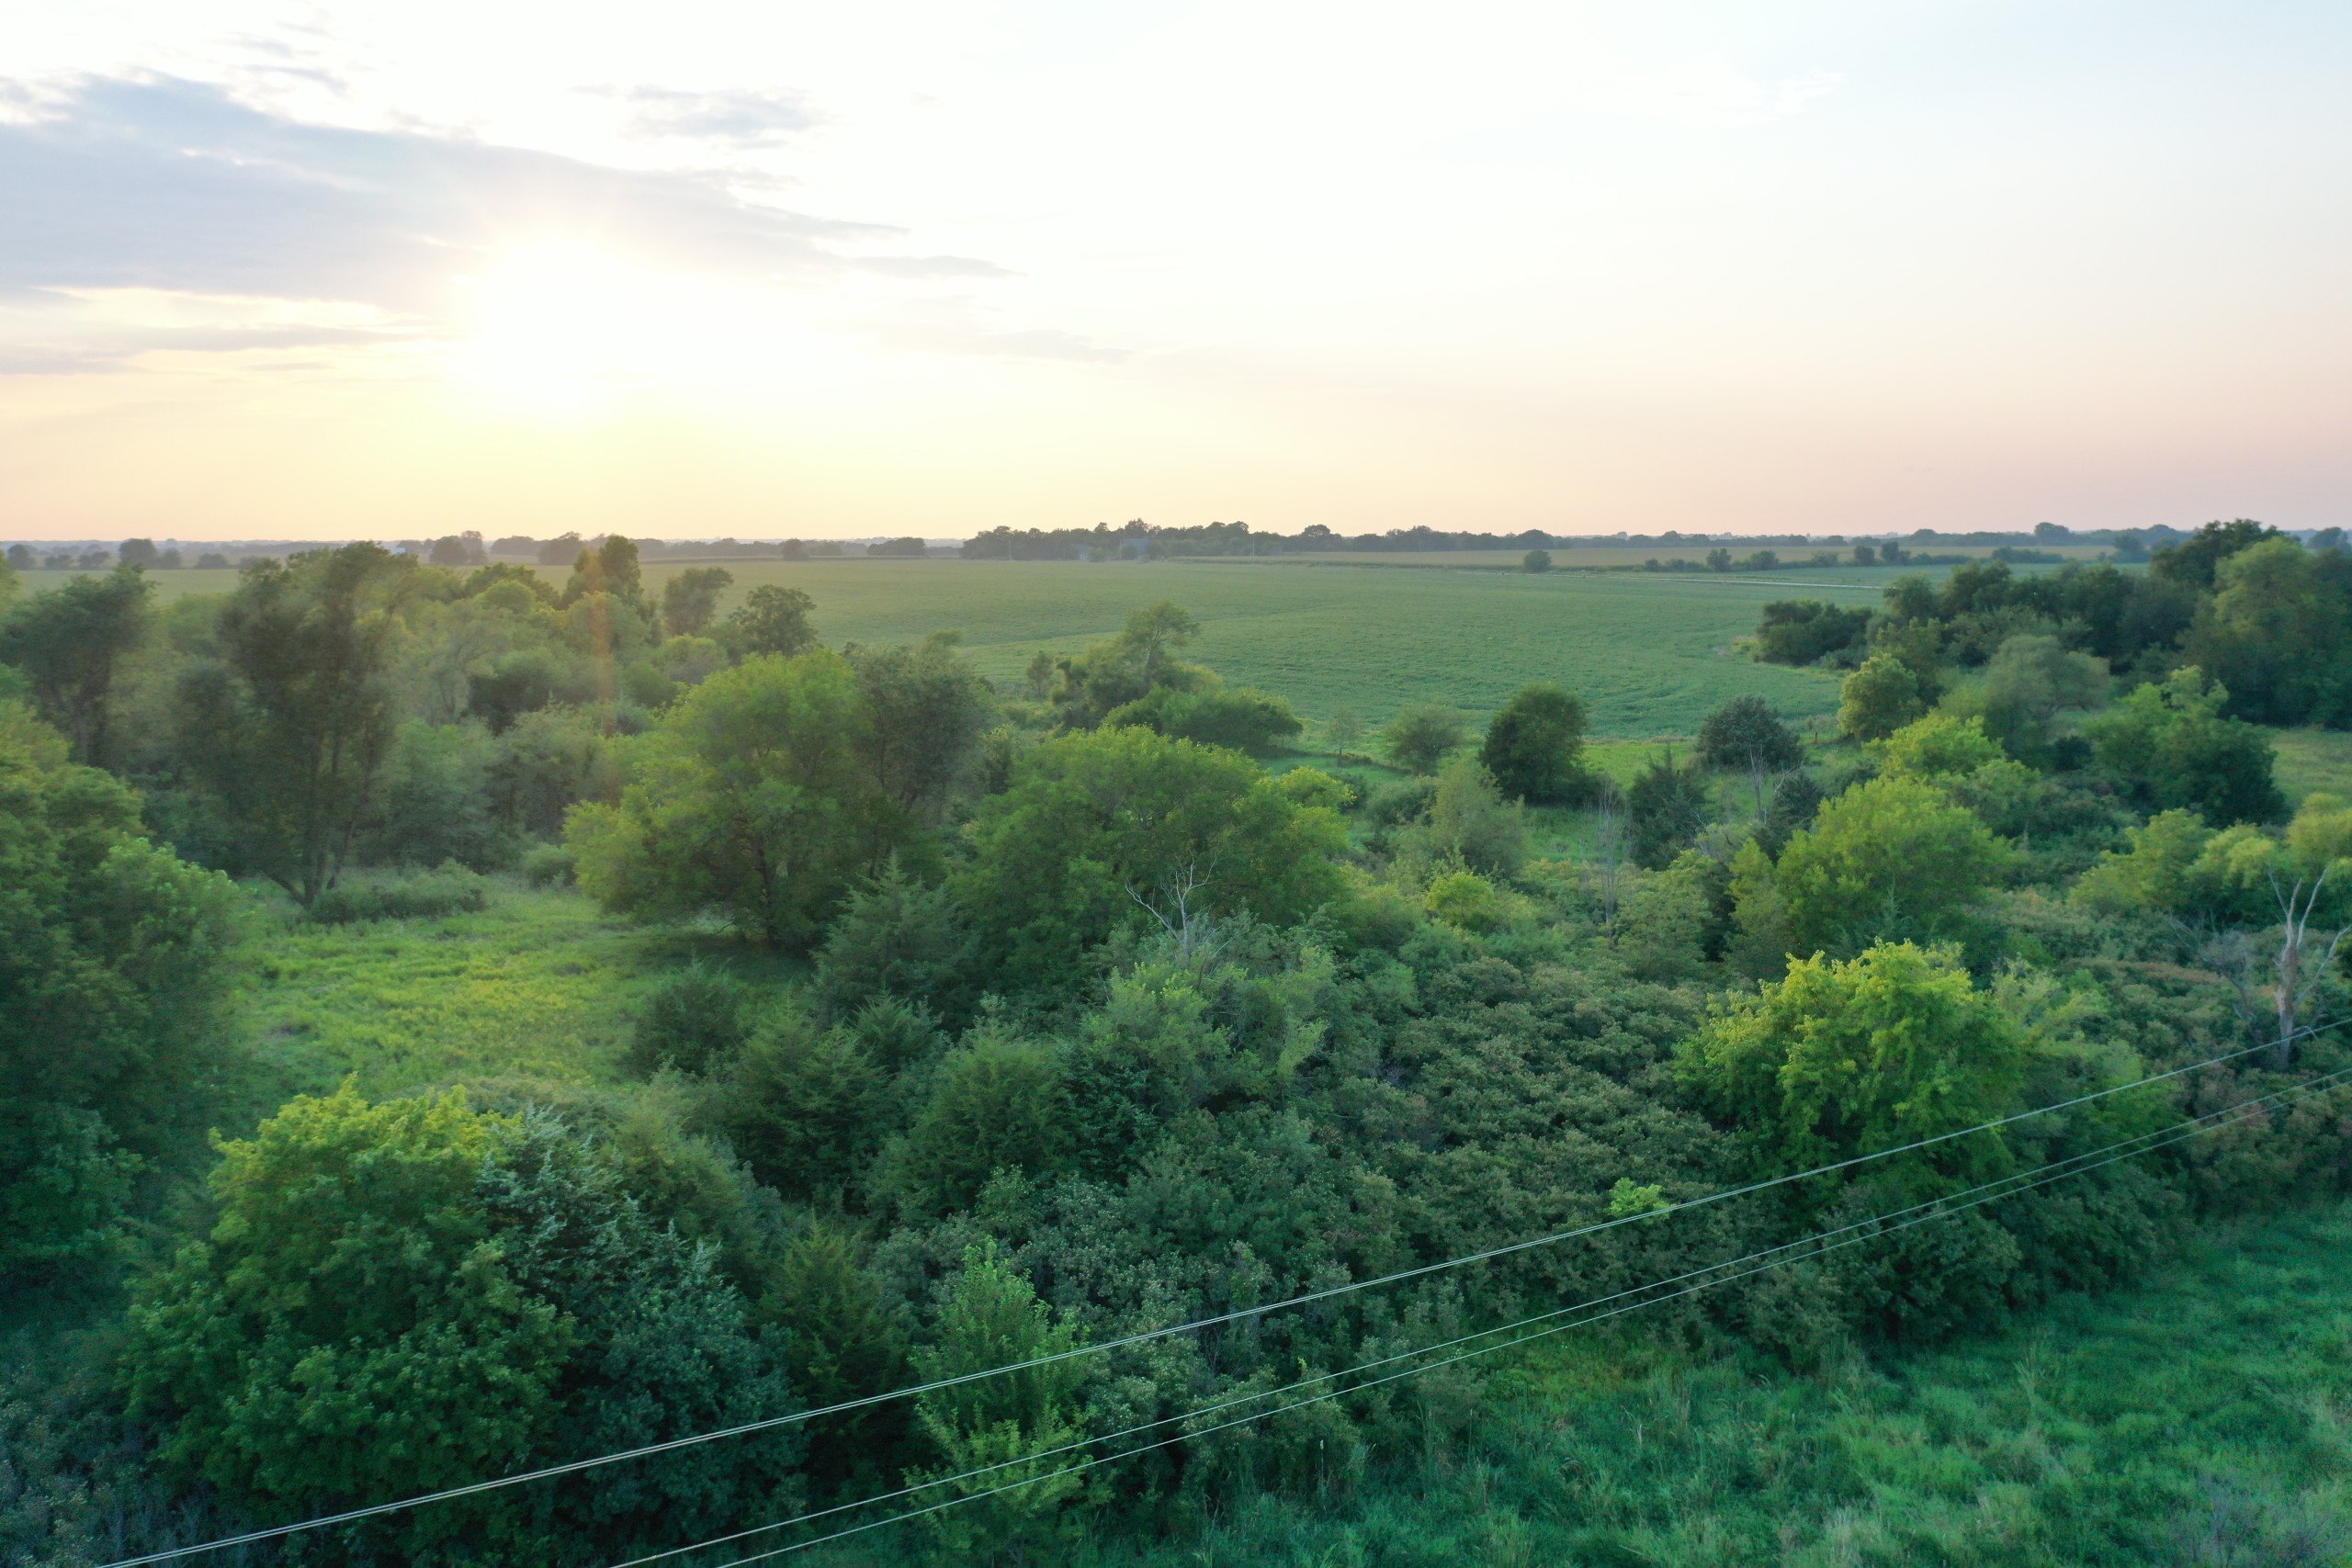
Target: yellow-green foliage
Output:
[(1841, 1057), (1466, 899)]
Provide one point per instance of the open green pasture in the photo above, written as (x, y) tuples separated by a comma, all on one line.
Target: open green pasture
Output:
[(2204, 1418)]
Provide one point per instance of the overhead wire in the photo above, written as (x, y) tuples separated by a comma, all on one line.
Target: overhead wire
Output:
[(1800, 1249), (1142, 1336), (2023, 1182)]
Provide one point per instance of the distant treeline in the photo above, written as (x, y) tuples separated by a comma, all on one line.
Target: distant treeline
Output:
[(1139, 540)]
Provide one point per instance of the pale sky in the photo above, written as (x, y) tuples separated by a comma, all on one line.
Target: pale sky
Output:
[(698, 268)]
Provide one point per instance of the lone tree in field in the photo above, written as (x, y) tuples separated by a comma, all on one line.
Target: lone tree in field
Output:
[(1746, 734), (1533, 746), (1422, 737), (1535, 560), (1343, 731)]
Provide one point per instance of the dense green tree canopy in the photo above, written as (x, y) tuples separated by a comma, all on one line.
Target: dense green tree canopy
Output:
[(407, 1296), (286, 735), (1533, 747), (755, 799), (1879, 699), (1890, 859), (1843, 1057), (1125, 829), (113, 997), (71, 643), (2174, 749)]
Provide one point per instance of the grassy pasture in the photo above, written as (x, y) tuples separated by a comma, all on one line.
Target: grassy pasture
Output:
[(2311, 759)]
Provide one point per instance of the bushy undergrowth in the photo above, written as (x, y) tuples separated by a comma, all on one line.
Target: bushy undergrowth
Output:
[(448, 890)]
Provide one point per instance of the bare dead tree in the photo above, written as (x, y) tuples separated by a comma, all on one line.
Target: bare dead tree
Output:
[(1608, 846), (2300, 977), (1179, 918)]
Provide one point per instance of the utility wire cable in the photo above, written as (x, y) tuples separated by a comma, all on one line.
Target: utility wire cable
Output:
[(1800, 1249), (1142, 1336)]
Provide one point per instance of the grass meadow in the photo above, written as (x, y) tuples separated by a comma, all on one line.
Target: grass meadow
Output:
[(538, 984)]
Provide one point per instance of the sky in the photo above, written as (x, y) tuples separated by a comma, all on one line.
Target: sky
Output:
[(836, 271)]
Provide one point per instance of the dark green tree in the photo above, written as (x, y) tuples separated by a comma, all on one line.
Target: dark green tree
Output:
[(1664, 809), (71, 643), (1533, 747), (690, 600), (771, 620), (1746, 735), (802, 1105), (1123, 829), (1422, 736), (1000, 1102), (928, 709), (610, 568), (2174, 749), (2196, 563), (114, 981), (288, 732), (693, 1020), (1129, 667), (845, 1341)]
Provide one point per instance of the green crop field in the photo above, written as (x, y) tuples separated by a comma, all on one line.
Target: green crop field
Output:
[(2202, 1418), (1651, 653)]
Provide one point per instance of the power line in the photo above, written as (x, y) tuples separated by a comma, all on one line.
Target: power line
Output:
[(574, 1466), (1919, 1213)]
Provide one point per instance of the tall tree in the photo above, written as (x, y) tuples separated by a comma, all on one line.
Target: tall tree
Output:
[(1746, 734), (1533, 746), (1890, 859), (929, 710), (770, 621), (2174, 748), (1125, 828), (755, 799), (289, 731), (70, 642), (690, 600)]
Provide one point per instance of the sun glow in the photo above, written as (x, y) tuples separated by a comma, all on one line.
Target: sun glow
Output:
[(568, 328)]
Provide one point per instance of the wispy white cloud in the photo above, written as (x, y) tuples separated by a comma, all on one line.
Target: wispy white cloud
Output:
[(741, 117)]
